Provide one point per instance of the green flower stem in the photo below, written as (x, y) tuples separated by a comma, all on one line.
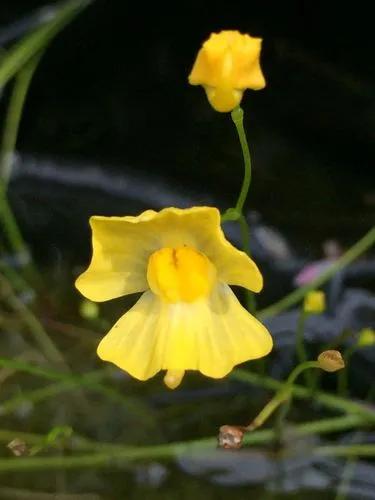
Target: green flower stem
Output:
[(236, 214), (329, 400), (293, 298), (17, 281), (245, 233), (351, 450), (300, 344), (13, 115), (41, 337), (35, 41), (237, 118), (37, 395), (9, 138), (91, 380), (110, 455), (284, 394), (342, 381)]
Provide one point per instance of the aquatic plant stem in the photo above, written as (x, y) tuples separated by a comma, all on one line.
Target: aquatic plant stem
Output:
[(245, 234), (293, 298), (9, 139), (236, 213), (300, 344), (41, 337), (284, 394), (21, 52), (237, 118), (66, 381), (110, 455), (13, 116), (329, 400), (342, 381)]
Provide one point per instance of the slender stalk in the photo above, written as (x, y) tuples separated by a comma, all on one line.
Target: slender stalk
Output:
[(293, 298), (41, 337), (33, 42), (284, 394), (9, 138), (300, 345), (13, 115), (110, 455), (329, 400), (342, 382), (237, 212), (237, 118), (245, 233), (350, 450), (91, 380)]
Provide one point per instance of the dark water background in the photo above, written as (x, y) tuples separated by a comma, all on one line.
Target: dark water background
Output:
[(111, 94)]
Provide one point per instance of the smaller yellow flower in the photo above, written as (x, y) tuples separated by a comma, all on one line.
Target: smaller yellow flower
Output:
[(366, 337), (315, 302), (227, 65)]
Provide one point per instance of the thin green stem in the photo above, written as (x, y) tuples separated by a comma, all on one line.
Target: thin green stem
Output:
[(329, 400), (33, 42), (264, 436), (237, 118), (300, 340), (284, 394), (346, 477), (110, 455), (350, 450), (13, 115), (300, 345), (293, 298), (245, 234), (41, 337), (9, 139), (91, 380), (342, 382)]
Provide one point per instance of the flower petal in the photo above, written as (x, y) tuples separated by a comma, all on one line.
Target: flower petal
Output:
[(119, 260), (211, 336), (122, 246)]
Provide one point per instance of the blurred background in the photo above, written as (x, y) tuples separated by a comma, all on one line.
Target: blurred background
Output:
[(111, 126)]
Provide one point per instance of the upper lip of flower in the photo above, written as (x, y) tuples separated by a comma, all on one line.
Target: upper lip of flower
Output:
[(123, 245)]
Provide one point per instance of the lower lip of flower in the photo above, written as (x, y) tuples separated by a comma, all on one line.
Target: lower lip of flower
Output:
[(180, 274), (223, 99)]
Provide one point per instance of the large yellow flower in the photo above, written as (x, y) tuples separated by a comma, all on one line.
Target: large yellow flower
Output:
[(187, 318), (227, 65)]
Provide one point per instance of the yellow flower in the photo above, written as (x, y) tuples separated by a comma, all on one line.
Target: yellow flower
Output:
[(366, 337), (227, 65), (315, 302), (187, 318)]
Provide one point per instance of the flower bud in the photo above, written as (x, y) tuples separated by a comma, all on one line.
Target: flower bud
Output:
[(331, 361), (366, 337), (88, 310), (230, 437), (227, 65), (315, 302)]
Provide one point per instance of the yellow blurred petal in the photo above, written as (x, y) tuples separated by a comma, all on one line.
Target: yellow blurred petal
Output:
[(211, 335)]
